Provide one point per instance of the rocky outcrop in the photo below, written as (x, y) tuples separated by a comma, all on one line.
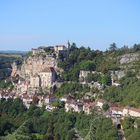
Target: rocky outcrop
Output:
[(118, 74), (39, 69), (128, 58), (36, 64)]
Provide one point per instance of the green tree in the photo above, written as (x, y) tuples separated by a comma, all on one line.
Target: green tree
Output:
[(105, 107), (106, 79), (71, 135), (87, 65), (113, 47)]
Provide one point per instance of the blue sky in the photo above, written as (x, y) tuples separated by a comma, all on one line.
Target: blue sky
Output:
[(25, 24)]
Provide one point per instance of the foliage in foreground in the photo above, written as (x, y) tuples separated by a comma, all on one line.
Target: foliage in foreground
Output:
[(37, 124)]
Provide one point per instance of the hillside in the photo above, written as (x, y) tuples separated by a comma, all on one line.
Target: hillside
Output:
[(5, 63), (69, 92), (119, 68)]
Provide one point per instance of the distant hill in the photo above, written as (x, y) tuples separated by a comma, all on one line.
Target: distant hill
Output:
[(6, 59), (13, 52)]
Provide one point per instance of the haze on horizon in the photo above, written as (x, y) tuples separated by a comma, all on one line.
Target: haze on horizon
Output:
[(95, 23)]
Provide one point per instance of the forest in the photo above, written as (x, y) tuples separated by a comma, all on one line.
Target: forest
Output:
[(17, 122)]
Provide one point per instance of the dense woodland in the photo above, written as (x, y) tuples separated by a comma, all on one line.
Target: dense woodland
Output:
[(16, 122), (131, 128)]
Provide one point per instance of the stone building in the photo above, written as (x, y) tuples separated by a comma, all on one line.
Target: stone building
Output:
[(100, 103), (43, 79), (116, 76), (37, 51), (59, 48), (48, 77), (74, 106), (35, 81), (129, 111), (83, 74), (88, 106), (22, 86)]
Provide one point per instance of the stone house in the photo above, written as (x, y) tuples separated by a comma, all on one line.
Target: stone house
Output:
[(6, 96), (27, 100), (48, 77), (59, 48), (63, 99), (50, 107), (96, 85), (22, 86), (37, 51), (74, 106), (40, 103), (129, 111), (66, 98), (44, 79), (49, 99), (35, 81), (88, 106), (99, 103), (83, 74), (115, 76)]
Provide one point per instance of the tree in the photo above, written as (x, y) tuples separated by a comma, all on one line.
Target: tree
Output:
[(106, 79), (5, 127), (113, 47), (87, 65), (93, 77), (71, 135), (57, 137), (136, 47), (105, 107)]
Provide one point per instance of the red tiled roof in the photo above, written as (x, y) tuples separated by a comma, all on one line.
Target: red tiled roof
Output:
[(134, 109), (116, 108), (90, 104)]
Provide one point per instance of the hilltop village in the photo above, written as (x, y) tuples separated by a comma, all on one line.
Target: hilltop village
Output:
[(39, 76), (68, 80)]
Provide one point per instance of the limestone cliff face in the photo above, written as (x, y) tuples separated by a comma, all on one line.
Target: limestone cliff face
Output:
[(128, 58), (35, 64), (14, 69), (39, 60), (39, 70)]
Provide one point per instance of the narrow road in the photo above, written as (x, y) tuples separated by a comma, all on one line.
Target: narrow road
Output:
[(121, 135)]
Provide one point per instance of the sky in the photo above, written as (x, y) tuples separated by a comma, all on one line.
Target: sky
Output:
[(26, 24)]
